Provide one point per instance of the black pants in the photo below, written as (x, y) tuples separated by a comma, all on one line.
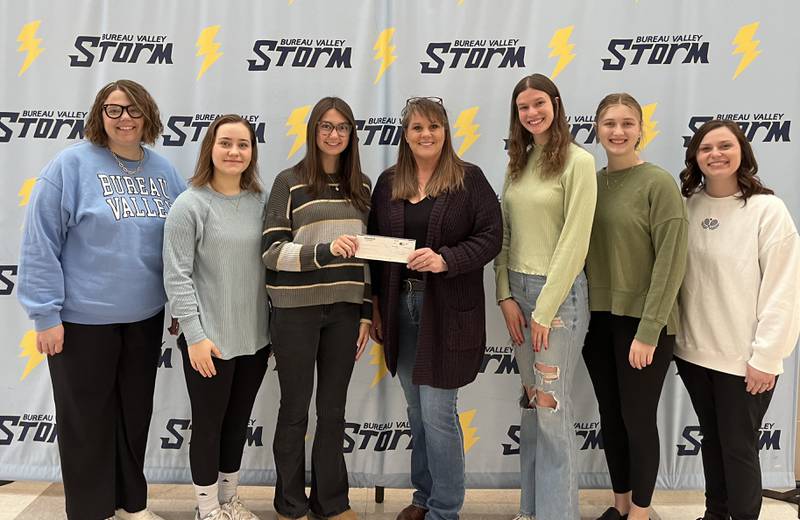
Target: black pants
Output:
[(628, 402), (221, 407), (730, 419), (304, 338), (103, 384)]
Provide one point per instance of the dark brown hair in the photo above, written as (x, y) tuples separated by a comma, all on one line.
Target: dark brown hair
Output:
[(621, 98), (692, 179), (204, 169), (520, 141), (310, 167), (449, 172), (95, 132)]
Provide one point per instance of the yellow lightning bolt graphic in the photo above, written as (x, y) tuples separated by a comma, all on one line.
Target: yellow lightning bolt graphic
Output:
[(465, 418), (297, 127), (377, 359), (746, 46), (206, 46), (24, 192), (562, 49), (30, 44), (467, 129), (28, 346), (384, 51), (649, 131)]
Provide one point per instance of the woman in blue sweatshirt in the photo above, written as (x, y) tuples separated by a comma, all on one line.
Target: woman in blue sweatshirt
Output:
[(90, 279)]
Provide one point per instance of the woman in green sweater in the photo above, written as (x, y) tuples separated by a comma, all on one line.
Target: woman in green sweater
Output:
[(636, 261), (548, 205)]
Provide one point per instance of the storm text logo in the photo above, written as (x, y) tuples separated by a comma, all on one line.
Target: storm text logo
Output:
[(41, 124), (503, 357), (377, 436), (769, 438), (476, 54), (766, 127), (176, 429), (656, 50), (122, 48), (34, 427), (380, 131), (179, 128), (300, 52)]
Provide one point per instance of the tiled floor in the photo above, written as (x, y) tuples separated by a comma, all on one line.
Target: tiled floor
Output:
[(45, 501)]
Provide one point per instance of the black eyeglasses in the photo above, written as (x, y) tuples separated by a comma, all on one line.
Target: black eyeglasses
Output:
[(115, 111), (416, 99), (326, 128)]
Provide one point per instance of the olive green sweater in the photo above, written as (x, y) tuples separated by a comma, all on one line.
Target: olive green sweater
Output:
[(546, 227), (637, 253)]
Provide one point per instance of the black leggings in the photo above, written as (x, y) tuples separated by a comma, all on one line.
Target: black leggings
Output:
[(730, 419), (628, 401), (221, 407)]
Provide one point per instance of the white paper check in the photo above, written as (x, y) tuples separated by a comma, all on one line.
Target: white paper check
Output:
[(385, 249)]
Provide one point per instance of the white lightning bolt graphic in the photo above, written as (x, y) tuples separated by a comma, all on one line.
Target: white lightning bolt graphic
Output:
[(30, 44), (384, 51), (206, 46), (649, 125), (28, 346), (746, 46), (378, 360), (562, 49), (297, 127), (467, 129)]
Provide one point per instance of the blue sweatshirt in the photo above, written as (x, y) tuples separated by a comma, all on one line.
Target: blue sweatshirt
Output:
[(91, 248)]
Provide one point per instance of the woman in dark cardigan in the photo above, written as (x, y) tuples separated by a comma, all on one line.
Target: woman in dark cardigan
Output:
[(429, 314)]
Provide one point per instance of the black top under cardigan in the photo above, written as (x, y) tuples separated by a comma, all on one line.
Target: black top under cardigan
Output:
[(465, 227)]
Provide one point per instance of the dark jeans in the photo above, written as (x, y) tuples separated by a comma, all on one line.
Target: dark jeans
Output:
[(730, 418), (103, 384), (321, 337), (628, 402), (221, 407)]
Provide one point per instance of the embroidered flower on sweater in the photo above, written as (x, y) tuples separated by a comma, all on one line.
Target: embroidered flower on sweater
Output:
[(710, 223)]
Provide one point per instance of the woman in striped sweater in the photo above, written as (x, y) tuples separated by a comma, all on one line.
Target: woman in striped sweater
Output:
[(321, 307)]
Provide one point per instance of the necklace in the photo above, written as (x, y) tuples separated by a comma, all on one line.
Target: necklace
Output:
[(124, 168), (619, 175)]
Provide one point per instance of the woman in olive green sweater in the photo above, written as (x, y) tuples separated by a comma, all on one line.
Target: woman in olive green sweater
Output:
[(635, 265)]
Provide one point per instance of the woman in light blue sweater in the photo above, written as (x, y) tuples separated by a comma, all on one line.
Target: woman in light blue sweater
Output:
[(90, 279), (215, 283)]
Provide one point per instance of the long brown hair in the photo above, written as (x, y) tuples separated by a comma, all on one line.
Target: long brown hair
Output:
[(449, 172), (95, 132), (621, 98), (692, 179), (310, 166), (204, 169), (520, 141)]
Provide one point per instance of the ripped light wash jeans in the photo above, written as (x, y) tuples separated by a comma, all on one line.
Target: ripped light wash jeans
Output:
[(548, 465)]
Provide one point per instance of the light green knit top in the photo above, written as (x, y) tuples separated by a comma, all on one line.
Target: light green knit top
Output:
[(546, 227)]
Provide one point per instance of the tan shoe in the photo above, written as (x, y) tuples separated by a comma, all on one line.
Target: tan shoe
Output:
[(281, 517), (346, 515)]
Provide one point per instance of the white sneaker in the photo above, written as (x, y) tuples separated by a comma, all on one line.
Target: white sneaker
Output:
[(217, 514), (236, 509), (144, 514)]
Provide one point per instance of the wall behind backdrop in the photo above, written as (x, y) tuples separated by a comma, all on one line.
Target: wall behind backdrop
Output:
[(271, 60)]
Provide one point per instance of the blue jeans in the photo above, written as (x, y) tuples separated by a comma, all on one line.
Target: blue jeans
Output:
[(437, 453), (548, 466)]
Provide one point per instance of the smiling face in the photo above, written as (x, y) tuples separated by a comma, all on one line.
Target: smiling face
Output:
[(619, 129), (332, 144), (425, 137), (719, 156), (536, 112), (124, 133), (232, 150)]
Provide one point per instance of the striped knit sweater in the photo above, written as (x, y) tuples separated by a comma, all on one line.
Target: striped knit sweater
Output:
[(298, 232)]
